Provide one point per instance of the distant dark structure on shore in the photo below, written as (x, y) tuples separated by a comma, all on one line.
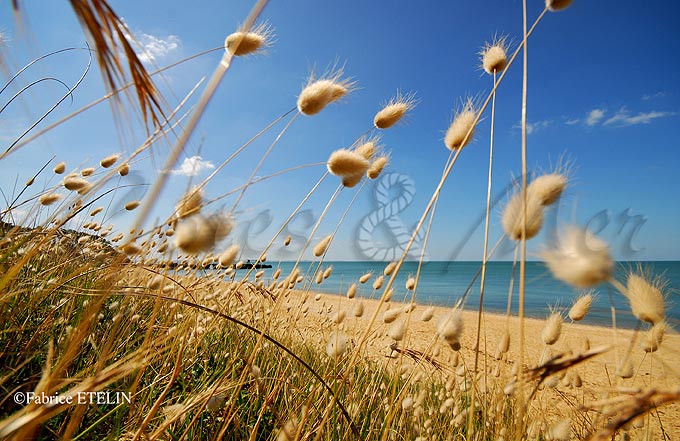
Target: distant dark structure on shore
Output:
[(214, 265)]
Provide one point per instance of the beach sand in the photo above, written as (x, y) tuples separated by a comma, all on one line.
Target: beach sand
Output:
[(660, 370)]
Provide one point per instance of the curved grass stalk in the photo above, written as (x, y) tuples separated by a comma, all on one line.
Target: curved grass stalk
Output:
[(264, 157), (106, 97), (51, 109)]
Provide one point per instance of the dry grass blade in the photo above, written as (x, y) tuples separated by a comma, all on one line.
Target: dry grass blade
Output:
[(560, 363), (637, 405), (109, 35), (417, 356)]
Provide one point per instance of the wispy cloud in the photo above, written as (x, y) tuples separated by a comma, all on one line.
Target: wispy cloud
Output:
[(151, 48), (595, 116), (651, 96), (572, 121), (533, 127), (624, 118), (193, 166)]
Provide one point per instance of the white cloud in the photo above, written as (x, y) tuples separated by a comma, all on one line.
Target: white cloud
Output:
[(651, 96), (193, 166), (572, 122), (533, 127), (595, 116), (624, 118), (150, 48)]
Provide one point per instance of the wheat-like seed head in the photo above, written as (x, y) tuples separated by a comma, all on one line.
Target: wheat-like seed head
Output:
[(646, 297), (377, 166), (131, 205), (552, 329), (49, 198), (109, 161), (228, 256), (336, 346), (581, 307), (190, 203), (322, 246), (394, 110), (358, 309), (463, 124), (450, 327), (557, 5), (548, 188), (199, 233), (368, 148), (494, 55), (352, 291), (60, 168), (653, 337), (352, 180), (378, 282), (346, 163), (579, 258), (513, 216), (317, 94), (124, 169), (397, 330), (73, 182), (242, 43), (389, 269)]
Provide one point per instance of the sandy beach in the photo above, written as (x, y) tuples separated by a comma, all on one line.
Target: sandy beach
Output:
[(561, 394)]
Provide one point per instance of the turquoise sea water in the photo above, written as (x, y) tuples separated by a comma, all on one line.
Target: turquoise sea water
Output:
[(443, 283)]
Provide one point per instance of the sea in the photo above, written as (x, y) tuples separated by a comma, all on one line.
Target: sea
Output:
[(443, 283)]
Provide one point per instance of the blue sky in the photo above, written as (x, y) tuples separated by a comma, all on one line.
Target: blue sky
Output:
[(603, 94)]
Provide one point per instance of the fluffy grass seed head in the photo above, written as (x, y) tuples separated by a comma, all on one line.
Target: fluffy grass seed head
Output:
[(552, 328), (410, 283), (124, 169), (557, 5), (548, 188), (317, 94), (579, 258), (646, 297), (199, 233), (75, 183), (462, 129), (228, 256), (365, 277), (653, 337), (377, 166), (581, 307), (60, 168), (494, 55), (242, 43), (389, 268), (345, 163), (352, 291), (450, 327), (322, 246), (397, 330), (368, 148), (336, 346), (131, 205), (394, 110), (513, 216), (190, 203), (109, 161), (49, 198), (352, 180)]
